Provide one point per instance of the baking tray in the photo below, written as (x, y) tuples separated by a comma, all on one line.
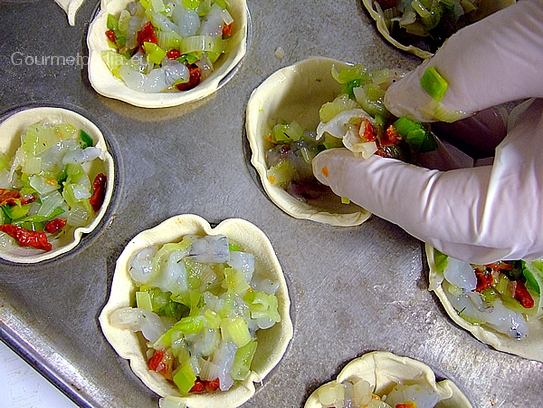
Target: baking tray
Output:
[(353, 290)]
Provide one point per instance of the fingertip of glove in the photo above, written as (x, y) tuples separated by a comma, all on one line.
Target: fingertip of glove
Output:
[(325, 160)]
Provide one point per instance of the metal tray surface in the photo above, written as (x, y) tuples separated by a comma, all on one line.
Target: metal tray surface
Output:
[(353, 290)]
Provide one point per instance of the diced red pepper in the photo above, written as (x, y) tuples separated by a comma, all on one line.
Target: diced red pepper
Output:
[(484, 280), (194, 79), (161, 362), (13, 197), (146, 34), (407, 405), (173, 54), (27, 238), (205, 385), (501, 266), (523, 296), (213, 385), (198, 387), (227, 30), (99, 194), (55, 225), (391, 136), (110, 34), (27, 199), (368, 132)]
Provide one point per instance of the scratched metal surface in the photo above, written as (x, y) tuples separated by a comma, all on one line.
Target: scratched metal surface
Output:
[(353, 290)]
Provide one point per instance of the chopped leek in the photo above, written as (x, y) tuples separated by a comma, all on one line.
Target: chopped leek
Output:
[(243, 359), (203, 43), (185, 378), (280, 174), (143, 301), (213, 319), (533, 272), (330, 109), (155, 54), (433, 83), (441, 260), (4, 161), (235, 281), (19, 211), (236, 331), (416, 135), (263, 305), (287, 132), (86, 140), (169, 40), (191, 4), (112, 23)]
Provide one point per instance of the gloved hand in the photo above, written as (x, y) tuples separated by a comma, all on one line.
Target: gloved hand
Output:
[(478, 214)]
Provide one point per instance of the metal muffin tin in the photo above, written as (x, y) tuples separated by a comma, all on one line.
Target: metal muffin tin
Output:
[(353, 290)]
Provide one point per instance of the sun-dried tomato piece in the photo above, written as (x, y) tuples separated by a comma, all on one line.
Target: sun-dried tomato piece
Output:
[(99, 194), (27, 238)]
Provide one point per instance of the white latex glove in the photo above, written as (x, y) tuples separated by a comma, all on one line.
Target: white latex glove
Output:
[(494, 61), (480, 214)]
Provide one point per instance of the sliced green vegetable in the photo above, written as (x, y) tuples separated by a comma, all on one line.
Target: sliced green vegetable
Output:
[(4, 161), (189, 58), (38, 218), (330, 109), (235, 280), (242, 361), (86, 139), (6, 210), (433, 83), (281, 173), (157, 6), (213, 319), (154, 53), (112, 22), (184, 378), (533, 272), (441, 260), (113, 61), (331, 142), (416, 135), (143, 301), (168, 40), (19, 211), (191, 4), (189, 325), (287, 132), (203, 43), (236, 331), (263, 305)]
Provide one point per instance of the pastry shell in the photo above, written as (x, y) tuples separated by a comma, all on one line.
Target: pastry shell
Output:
[(272, 343)]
